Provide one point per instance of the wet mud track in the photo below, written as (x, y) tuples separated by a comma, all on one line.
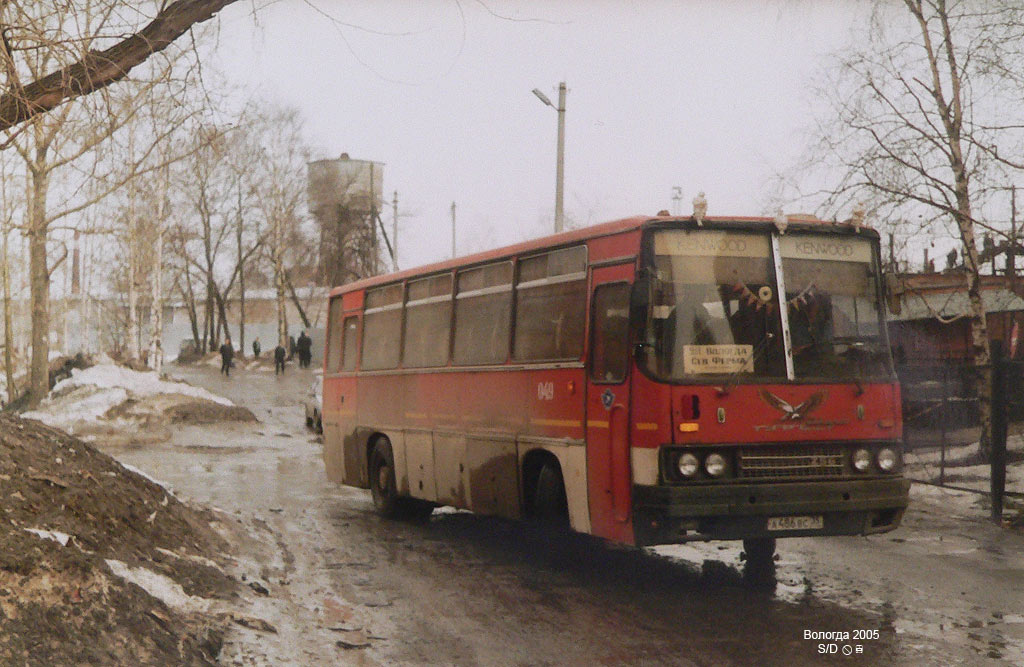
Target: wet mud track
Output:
[(343, 586)]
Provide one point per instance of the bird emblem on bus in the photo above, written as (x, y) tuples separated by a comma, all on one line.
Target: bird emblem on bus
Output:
[(797, 412)]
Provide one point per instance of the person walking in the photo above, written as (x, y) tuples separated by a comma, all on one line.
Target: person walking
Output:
[(304, 347), (279, 355), (256, 348), (291, 347), (227, 354)]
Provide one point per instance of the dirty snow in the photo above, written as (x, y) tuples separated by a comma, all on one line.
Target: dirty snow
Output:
[(136, 383), (159, 586), (84, 404), (55, 535), (83, 400)]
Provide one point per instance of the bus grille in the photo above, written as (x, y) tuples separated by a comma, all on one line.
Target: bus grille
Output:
[(791, 461)]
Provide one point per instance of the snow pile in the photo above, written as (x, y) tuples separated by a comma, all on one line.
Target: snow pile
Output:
[(84, 404), (138, 384), (108, 398)]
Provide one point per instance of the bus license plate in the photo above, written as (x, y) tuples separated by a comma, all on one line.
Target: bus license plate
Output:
[(796, 522)]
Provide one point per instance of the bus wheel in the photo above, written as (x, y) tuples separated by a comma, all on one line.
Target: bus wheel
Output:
[(760, 551), (549, 503), (382, 479)]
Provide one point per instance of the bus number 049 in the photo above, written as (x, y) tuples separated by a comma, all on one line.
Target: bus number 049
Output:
[(545, 391)]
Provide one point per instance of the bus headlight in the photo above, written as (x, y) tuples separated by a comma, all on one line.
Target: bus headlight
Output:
[(687, 464), (887, 459), (861, 460), (715, 464)]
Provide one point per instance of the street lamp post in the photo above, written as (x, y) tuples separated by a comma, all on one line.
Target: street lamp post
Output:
[(560, 168)]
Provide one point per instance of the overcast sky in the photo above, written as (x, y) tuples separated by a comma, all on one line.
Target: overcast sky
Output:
[(708, 96)]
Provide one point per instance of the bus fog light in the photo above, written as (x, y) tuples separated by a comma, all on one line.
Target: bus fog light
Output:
[(861, 460), (715, 465), (687, 465), (887, 459)]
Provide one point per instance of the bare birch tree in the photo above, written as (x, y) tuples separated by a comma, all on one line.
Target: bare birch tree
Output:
[(924, 115), (65, 138), (282, 199)]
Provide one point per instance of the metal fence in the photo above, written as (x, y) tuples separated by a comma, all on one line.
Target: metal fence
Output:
[(942, 429)]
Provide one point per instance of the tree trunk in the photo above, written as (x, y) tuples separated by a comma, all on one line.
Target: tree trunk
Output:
[(981, 353), (279, 278), (241, 308), (134, 335), (190, 306), (8, 334), (39, 286), (295, 300), (156, 313), (222, 313), (241, 279)]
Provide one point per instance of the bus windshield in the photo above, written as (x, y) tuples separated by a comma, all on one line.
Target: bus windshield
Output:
[(715, 309), (835, 318)]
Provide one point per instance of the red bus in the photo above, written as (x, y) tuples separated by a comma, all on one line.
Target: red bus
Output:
[(651, 380)]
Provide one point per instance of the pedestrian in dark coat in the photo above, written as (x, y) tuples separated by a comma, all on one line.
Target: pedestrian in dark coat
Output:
[(304, 346), (227, 354), (256, 348), (279, 355), (291, 347)]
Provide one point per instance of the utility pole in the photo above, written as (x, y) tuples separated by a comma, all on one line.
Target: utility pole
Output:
[(1011, 253), (453, 230), (560, 165), (560, 175), (394, 229)]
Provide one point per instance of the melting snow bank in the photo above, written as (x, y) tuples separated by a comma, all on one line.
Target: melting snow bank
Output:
[(108, 400), (137, 383)]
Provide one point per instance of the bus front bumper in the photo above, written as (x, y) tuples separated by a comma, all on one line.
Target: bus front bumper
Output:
[(673, 514)]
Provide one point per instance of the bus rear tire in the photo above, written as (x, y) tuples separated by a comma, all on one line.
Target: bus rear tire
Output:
[(760, 551), (549, 501), (383, 487)]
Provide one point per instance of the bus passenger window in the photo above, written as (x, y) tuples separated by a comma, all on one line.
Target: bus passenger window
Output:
[(483, 315), (428, 314), (551, 305), (382, 328), (351, 349), (609, 355)]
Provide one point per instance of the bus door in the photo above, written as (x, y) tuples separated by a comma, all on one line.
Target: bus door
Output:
[(608, 472)]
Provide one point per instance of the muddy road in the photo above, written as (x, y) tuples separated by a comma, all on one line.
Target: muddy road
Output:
[(342, 586)]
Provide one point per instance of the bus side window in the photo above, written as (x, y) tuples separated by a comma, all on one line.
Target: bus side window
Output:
[(609, 356), (334, 345), (428, 314), (382, 327), (483, 307), (551, 305), (350, 344)]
